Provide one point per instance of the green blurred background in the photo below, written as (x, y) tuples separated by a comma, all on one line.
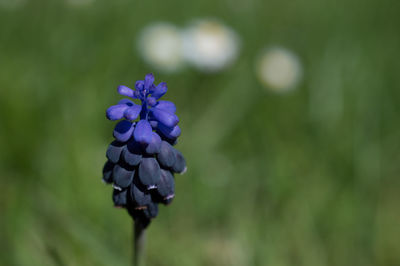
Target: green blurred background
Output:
[(304, 178)]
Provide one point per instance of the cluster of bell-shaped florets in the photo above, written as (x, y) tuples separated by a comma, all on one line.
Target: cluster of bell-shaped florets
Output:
[(142, 160)]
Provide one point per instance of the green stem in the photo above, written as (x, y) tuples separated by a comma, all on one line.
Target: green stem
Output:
[(139, 243)]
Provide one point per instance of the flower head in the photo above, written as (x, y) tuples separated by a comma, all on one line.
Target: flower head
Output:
[(154, 114), (142, 159)]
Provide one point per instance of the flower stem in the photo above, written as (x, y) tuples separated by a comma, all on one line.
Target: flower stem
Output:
[(139, 243)]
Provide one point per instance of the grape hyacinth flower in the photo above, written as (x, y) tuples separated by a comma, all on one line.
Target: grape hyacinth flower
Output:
[(142, 160)]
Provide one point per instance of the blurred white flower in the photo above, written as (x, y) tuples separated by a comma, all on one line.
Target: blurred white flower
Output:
[(11, 4), (209, 45), (80, 3), (279, 69), (160, 45)]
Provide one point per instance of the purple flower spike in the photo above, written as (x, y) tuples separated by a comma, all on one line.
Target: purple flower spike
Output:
[(125, 91), (132, 112), (123, 131), (165, 117), (143, 132), (167, 106), (160, 90), (116, 112), (141, 163)]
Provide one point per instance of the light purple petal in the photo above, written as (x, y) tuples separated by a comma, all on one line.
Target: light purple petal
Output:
[(148, 81), (153, 123), (123, 131), (166, 105), (132, 112), (136, 94), (160, 90), (171, 133), (116, 112), (164, 117), (126, 101), (151, 101), (152, 88), (143, 132), (139, 85), (125, 91)]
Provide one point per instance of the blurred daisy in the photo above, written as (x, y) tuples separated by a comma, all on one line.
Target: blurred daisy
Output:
[(160, 45), (80, 3), (209, 45), (11, 4), (279, 69)]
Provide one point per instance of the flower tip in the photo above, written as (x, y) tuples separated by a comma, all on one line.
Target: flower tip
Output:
[(148, 80), (116, 112), (139, 85), (168, 119), (149, 76), (117, 187), (160, 90), (184, 170), (150, 187), (169, 197), (125, 91)]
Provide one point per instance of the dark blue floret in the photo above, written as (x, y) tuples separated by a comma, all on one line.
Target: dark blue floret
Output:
[(149, 172), (114, 151), (166, 156), (132, 154), (180, 163), (123, 130), (155, 145), (107, 172), (170, 133), (122, 177), (119, 197), (140, 198), (151, 211), (141, 161), (166, 184)]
